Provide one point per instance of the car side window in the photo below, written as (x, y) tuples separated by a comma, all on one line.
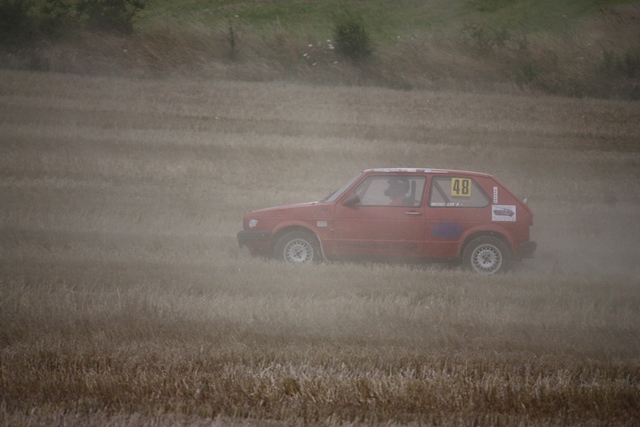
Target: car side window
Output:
[(457, 192), (396, 190)]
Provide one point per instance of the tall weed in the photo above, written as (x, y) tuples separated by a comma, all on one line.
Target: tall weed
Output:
[(352, 38)]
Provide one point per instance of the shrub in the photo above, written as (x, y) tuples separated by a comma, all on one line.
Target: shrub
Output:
[(15, 22), (53, 17), (526, 72), (625, 64), (22, 20), (109, 15), (484, 40), (352, 38)]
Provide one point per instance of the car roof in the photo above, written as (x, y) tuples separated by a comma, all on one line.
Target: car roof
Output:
[(423, 170)]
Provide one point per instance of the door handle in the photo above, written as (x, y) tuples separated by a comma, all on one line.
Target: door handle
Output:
[(413, 213)]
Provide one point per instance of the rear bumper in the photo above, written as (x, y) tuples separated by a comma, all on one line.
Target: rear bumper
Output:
[(247, 237), (527, 249)]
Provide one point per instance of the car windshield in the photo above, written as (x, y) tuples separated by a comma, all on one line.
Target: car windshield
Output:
[(334, 196)]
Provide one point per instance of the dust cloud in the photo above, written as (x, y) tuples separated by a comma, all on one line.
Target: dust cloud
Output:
[(586, 240)]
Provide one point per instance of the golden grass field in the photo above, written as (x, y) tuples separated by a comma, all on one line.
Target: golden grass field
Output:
[(124, 299)]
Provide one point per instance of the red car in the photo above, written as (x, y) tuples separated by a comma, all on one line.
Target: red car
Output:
[(400, 213)]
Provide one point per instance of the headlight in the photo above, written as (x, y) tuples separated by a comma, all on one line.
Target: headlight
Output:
[(253, 223)]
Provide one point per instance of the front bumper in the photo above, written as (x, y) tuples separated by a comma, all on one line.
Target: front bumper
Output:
[(247, 237), (527, 249)]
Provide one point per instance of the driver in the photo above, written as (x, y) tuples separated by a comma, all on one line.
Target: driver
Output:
[(397, 191)]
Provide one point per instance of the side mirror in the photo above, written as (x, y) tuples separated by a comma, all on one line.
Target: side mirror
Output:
[(353, 200)]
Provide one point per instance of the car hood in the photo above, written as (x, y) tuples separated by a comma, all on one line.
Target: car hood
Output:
[(309, 209)]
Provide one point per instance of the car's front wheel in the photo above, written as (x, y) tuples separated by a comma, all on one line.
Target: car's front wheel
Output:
[(486, 255), (297, 247)]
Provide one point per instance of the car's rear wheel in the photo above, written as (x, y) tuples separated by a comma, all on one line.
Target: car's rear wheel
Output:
[(486, 255), (297, 247)]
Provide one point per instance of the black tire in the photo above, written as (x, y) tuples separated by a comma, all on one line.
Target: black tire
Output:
[(297, 247), (486, 255)]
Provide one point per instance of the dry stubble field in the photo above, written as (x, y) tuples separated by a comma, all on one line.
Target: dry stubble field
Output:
[(124, 299)]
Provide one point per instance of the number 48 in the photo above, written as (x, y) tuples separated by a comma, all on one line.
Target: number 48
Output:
[(461, 187)]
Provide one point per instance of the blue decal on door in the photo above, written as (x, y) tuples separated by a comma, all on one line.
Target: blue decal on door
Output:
[(446, 230)]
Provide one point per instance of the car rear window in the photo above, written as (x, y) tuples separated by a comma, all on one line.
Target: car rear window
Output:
[(456, 192)]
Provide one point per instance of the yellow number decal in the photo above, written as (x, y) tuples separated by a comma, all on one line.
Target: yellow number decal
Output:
[(460, 187)]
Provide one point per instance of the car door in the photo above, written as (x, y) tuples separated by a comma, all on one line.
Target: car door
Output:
[(382, 223), (455, 204)]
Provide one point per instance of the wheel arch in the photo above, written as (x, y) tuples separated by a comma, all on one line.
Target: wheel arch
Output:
[(472, 236), (296, 227)]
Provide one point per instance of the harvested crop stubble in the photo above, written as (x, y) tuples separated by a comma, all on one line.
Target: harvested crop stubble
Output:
[(125, 300)]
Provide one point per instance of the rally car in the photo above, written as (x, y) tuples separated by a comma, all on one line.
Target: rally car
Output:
[(400, 213)]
